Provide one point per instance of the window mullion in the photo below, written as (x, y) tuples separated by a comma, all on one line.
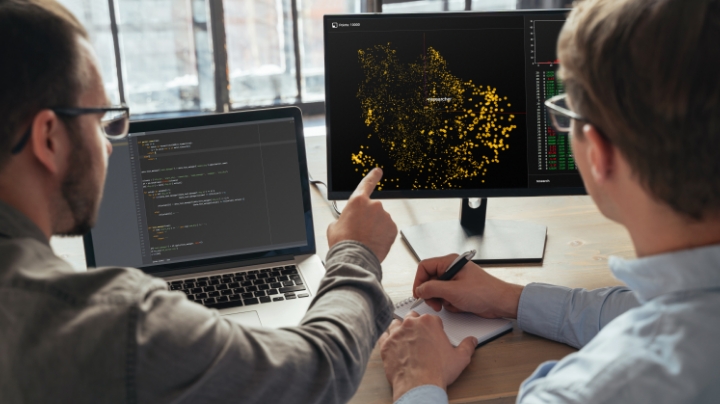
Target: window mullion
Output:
[(220, 56), (296, 48), (116, 45)]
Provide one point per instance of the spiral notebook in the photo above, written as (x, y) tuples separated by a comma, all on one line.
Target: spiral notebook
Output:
[(459, 326)]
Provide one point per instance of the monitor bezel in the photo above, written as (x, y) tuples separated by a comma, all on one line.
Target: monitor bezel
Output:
[(444, 193), (220, 119)]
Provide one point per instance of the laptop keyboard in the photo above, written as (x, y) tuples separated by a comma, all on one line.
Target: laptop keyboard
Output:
[(243, 288)]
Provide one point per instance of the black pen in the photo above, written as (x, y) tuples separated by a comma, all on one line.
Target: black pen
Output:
[(451, 271)]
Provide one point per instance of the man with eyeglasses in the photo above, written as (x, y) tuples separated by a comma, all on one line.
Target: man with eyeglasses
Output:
[(643, 111), (116, 334)]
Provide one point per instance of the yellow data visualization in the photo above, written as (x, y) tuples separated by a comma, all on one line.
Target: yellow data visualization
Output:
[(436, 129)]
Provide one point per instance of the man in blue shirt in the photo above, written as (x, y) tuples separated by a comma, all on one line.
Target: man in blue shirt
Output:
[(643, 111)]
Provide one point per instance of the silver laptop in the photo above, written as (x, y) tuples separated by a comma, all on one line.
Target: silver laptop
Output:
[(218, 206)]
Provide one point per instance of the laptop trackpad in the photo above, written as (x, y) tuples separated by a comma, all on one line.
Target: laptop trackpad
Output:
[(249, 318)]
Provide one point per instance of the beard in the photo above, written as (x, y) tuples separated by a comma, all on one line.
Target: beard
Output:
[(80, 189)]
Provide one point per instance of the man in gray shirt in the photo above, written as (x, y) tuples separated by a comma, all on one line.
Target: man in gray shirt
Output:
[(643, 112), (116, 335)]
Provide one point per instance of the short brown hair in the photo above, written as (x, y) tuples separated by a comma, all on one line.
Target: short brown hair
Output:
[(645, 73), (40, 65)]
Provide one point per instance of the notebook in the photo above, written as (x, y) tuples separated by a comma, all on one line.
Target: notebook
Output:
[(459, 326)]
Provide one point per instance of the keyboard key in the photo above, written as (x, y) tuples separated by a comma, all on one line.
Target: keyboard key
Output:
[(214, 282), (298, 282), (251, 288), (272, 292), (288, 283), (221, 287), (251, 277), (189, 280), (196, 290), (227, 275), (265, 270), (222, 299), (264, 300), (209, 301), (259, 293), (275, 273), (283, 278), (294, 277), (276, 285), (176, 282), (258, 281), (254, 272), (234, 285), (290, 297), (301, 295), (204, 279), (246, 283), (248, 302), (262, 275), (239, 290), (277, 299), (201, 296), (247, 295), (227, 292), (213, 294), (201, 283), (227, 280), (292, 289), (263, 287), (225, 305), (215, 277), (234, 297), (176, 287), (209, 288)]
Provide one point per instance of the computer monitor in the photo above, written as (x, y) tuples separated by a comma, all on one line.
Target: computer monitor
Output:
[(449, 105)]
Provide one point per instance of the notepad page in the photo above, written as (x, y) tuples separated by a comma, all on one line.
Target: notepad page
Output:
[(459, 326)]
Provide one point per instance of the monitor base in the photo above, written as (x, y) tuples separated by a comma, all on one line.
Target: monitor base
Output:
[(496, 242)]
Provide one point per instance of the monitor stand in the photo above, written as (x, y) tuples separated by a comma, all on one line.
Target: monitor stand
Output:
[(496, 241)]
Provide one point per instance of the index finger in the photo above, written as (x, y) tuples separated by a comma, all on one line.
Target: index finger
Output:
[(431, 268), (368, 184)]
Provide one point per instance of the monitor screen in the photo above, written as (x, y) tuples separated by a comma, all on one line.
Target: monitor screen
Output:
[(448, 105), (209, 190)]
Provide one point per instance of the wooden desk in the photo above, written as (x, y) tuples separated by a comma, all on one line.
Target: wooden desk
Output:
[(579, 242), (578, 245)]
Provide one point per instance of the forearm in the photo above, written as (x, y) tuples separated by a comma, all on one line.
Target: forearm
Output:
[(320, 361), (571, 316)]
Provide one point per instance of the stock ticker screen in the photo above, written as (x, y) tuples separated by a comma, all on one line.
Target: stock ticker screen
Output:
[(445, 102)]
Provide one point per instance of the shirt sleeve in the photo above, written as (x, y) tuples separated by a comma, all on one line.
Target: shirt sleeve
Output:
[(179, 351), (426, 394), (571, 316)]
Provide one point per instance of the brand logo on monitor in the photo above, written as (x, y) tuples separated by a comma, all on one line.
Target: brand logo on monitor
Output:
[(334, 25)]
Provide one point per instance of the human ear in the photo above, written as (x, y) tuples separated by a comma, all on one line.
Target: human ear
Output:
[(49, 141), (600, 154)]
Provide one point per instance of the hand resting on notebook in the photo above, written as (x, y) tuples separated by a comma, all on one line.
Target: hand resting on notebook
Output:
[(439, 364), (472, 290)]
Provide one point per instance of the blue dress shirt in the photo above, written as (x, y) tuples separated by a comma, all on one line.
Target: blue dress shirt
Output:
[(655, 341)]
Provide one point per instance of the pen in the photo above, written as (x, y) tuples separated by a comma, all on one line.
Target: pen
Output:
[(451, 271)]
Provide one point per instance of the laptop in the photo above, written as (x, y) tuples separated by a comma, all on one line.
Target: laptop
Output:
[(219, 207)]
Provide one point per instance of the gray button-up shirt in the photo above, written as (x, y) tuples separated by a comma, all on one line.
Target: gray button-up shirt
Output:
[(655, 341), (117, 335)]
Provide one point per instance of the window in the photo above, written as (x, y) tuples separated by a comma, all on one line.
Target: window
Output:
[(192, 56)]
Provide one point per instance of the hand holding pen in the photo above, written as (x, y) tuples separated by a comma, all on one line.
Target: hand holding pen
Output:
[(471, 289)]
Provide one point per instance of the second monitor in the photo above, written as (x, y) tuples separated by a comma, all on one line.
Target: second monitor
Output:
[(449, 105)]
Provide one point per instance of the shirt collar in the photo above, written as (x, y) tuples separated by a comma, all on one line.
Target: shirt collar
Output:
[(680, 271), (14, 224)]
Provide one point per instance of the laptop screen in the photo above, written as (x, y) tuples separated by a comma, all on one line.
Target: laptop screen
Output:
[(194, 193)]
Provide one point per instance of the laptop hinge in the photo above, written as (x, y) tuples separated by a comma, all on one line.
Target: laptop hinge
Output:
[(224, 265)]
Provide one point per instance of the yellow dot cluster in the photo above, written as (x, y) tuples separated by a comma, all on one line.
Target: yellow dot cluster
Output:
[(435, 128)]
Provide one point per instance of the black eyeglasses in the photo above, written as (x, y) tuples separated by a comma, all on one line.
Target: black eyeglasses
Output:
[(115, 122)]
